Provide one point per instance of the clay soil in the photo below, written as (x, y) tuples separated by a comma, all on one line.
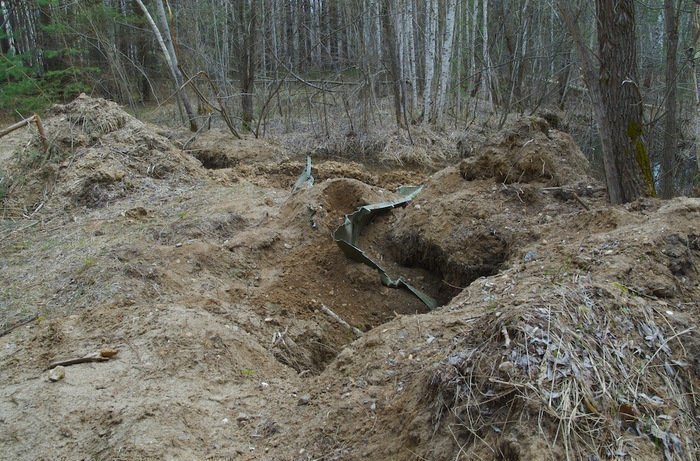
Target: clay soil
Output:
[(202, 286)]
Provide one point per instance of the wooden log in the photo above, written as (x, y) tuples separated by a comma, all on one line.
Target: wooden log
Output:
[(33, 119), (354, 330), (42, 133), (16, 126)]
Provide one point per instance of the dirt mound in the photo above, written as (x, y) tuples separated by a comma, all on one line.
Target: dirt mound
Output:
[(527, 151), (550, 358), (601, 357), (466, 230), (283, 173), (218, 149), (463, 226), (568, 327), (98, 154), (422, 148)]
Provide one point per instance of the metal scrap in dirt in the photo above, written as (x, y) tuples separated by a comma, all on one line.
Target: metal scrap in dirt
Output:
[(347, 235)]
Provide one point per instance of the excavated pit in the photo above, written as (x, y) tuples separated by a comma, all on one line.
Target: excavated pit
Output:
[(484, 253), (215, 160)]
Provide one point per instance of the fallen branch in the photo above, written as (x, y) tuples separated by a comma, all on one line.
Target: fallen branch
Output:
[(40, 128), (581, 202), (338, 319), (91, 357)]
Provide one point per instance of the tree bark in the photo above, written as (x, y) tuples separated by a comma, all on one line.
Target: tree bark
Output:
[(670, 135), (431, 12), (410, 34), (696, 85), (166, 45), (248, 20), (8, 43), (446, 60), (486, 73), (615, 97), (617, 46), (390, 40)]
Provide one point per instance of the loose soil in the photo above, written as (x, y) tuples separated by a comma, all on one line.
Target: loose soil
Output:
[(567, 328)]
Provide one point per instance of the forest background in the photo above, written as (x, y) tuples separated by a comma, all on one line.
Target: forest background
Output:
[(353, 69)]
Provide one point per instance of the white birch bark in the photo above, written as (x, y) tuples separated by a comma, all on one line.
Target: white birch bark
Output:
[(486, 74), (472, 41), (166, 46), (431, 16), (446, 59), (8, 29), (399, 30), (410, 32)]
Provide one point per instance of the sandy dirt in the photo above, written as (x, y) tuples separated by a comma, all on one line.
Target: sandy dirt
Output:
[(567, 328)]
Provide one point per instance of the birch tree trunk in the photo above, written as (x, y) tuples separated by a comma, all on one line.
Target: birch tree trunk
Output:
[(166, 45), (390, 41), (431, 14), (11, 48), (486, 73), (411, 51), (446, 59)]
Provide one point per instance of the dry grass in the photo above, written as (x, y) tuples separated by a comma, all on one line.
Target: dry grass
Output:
[(422, 147), (591, 369)]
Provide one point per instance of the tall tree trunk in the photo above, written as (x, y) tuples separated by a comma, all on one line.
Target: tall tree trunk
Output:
[(615, 97), (166, 45), (696, 85), (486, 73), (670, 143), (617, 46), (8, 46), (476, 75), (445, 59), (431, 14), (247, 19), (411, 52), (391, 46)]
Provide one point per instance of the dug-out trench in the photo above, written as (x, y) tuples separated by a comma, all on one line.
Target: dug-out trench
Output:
[(481, 253), (441, 268)]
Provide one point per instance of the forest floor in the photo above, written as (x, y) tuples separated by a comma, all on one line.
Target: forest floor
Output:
[(200, 287)]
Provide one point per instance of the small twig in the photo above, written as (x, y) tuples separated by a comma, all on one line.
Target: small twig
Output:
[(355, 331), (18, 324), (581, 202), (506, 342), (92, 357), (300, 79)]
